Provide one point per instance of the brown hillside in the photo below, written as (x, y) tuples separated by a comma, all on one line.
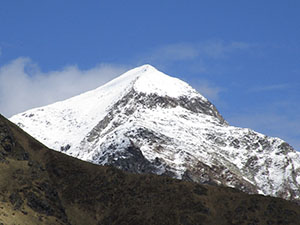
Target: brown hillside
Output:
[(41, 186)]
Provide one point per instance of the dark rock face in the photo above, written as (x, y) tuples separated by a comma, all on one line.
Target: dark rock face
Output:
[(152, 101), (218, 175), (130, 160), (284, 148), (196, 104), (16, 200), (39, 205), (7, 145), (65, 148), (6, 142)]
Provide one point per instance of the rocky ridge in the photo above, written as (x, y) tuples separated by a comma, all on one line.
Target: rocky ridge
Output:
[(147, 122)]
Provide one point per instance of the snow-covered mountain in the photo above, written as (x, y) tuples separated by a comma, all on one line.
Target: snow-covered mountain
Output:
[(147, 122)]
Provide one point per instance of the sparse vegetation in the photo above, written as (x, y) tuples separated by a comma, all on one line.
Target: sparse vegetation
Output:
[(41, 186)]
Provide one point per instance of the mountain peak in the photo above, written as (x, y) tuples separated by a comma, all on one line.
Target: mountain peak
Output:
[(146, 68), (147, 79), (77, 115), (152, 81), (147, 121)]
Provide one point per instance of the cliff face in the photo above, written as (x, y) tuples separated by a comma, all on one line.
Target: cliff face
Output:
[(147, 122)]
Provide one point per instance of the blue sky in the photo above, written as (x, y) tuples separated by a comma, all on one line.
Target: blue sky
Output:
[(243, 55)]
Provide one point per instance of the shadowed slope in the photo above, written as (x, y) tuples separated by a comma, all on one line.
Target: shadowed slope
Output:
[(41, 186)]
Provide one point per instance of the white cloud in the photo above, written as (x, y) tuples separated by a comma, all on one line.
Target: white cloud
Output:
[(24, 86)]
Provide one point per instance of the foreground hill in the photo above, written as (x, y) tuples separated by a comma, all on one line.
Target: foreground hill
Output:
[(148, 122), (41, 186)]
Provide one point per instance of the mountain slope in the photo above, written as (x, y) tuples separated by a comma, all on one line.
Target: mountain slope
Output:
[(147, 122), (41, 186)]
